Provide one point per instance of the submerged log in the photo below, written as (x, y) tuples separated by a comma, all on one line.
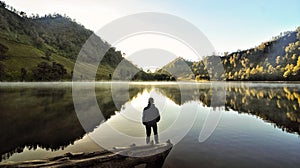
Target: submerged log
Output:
[(152, 155)]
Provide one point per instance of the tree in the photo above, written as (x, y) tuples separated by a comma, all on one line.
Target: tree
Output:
[(296, 68), (23, 14), (23, 74), (298, 32), (38, 41), (58, 71), (2, 4), (42, 72), (200, 70), (48, 54), (46, 72), (197, 78), (2, 72), (288, 69), (3, 51), (277, 60)]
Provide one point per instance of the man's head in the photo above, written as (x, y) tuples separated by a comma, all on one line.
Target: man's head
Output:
[(150, 100)]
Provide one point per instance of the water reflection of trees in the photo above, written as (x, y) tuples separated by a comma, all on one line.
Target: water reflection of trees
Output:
[(45, 117), (277, 105), (37, 117)]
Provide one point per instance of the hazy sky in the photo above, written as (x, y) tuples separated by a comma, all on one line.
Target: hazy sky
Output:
[(228, 24)]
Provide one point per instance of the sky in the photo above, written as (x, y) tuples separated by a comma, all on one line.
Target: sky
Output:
[(228, 24)]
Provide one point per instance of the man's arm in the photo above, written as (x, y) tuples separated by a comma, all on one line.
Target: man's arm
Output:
[(158, 115), (143, 117)]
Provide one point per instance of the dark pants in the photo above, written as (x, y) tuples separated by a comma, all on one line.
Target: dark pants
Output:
[(148, 132)]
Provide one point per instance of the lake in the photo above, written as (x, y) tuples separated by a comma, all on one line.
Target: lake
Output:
[(251, 124)]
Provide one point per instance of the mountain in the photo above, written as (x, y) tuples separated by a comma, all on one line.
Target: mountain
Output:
[(178, 68), (274, 60), (277, 59), (45, 48)]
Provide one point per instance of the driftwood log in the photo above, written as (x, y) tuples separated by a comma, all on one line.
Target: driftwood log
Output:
[(152, 155)]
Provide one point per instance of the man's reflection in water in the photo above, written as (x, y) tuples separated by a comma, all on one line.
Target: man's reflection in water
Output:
[(150, 118)]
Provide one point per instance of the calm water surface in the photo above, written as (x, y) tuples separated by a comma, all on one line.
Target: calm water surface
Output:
[(259, 126)]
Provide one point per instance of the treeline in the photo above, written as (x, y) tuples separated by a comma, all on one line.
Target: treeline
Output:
[(60, 34), (156, 76), (278, 59), (32, 15)]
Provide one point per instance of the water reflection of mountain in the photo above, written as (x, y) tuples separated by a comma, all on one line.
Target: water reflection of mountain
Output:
[(277, 105), (181, 94), (36, 117), (45, 117)]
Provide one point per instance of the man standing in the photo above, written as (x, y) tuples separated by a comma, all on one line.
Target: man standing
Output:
[(150, 118)]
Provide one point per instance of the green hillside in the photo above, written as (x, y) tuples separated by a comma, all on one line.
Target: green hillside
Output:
[(45, 48)]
